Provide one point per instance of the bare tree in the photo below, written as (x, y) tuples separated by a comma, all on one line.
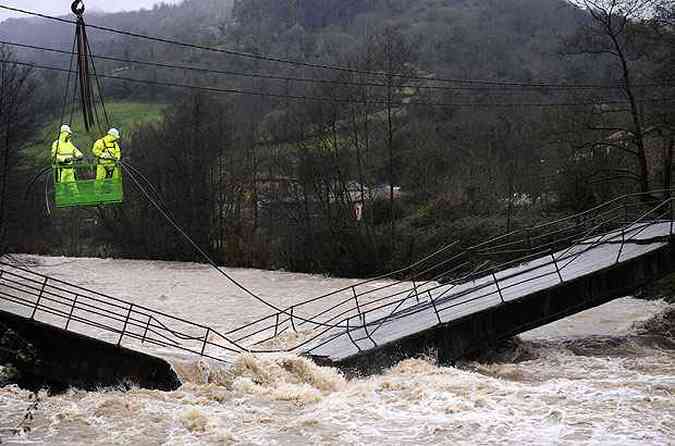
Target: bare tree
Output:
[(609, 34), (394, 54), (14, 102)]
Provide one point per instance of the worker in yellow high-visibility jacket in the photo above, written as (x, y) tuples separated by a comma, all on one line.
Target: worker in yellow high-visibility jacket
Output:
[(107, 152), (64, 154)]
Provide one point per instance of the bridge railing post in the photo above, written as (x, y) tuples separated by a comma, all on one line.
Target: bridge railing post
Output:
[(417, 296), (557, 269), (72, 310), (293, 320), (39, 298), (276, 325), (672, 216), (499, 289), (126, 323), (356, 299), (147, 327), (433, 304), (365, 328), (206, 341), (351, 338), (623, 242)]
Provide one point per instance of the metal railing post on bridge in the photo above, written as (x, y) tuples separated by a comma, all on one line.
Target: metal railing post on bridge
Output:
[(276, 326), (293, 321), (72, 309), (349, 333), (433, 304), (623, 242), (356, 299), (37, 302), (501, 296), (417, 296), (147, 327), (365, 329), (126, 322), (206, 340), (557, 270), (671, 216)]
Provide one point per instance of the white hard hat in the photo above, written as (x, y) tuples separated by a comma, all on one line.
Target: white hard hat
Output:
[(114, 132), (65, 128)]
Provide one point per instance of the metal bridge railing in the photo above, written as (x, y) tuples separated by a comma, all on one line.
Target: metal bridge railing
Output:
[(450, 278), (76, 309), (435, 281)]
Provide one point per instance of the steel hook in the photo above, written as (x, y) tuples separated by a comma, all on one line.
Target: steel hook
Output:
[(77, 10)]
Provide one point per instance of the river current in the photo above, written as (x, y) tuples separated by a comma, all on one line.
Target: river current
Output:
[(602, 377)]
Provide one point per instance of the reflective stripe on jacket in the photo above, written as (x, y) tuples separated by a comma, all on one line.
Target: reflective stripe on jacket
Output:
[(107, 150), (64, 150)]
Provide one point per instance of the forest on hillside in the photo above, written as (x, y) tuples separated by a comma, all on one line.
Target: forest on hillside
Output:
[(446, 120)]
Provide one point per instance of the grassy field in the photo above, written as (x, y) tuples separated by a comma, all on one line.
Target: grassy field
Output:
[(123, 115)]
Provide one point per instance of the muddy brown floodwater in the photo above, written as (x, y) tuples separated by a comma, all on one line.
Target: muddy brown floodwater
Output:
[(603, 377)]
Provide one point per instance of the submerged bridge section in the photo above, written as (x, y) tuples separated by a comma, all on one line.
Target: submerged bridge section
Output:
[(459, 301)]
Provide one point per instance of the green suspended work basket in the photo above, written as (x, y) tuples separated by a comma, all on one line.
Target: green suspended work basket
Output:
[(86, 190)]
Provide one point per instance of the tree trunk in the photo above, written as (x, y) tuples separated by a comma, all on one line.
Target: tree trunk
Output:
[(390, 144), (634, 111), (668, 167)]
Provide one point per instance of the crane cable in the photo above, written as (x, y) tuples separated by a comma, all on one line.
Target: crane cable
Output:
[(86, 72)]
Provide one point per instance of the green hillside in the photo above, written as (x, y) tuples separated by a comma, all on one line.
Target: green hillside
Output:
[(124, 115), (496, 114)]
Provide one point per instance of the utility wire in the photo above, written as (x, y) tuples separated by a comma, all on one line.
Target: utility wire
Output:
[(231, 52), (345, 100), (327, 81)]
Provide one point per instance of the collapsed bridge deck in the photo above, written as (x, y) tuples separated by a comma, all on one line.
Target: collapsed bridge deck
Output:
[(462, 299), (462, 317), (456, 300)]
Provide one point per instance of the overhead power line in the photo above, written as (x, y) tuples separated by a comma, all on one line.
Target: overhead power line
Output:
[(340, 100), (304, 79), (236, 53)]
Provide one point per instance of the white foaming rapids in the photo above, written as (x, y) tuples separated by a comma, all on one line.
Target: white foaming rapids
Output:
[(575, 391)]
